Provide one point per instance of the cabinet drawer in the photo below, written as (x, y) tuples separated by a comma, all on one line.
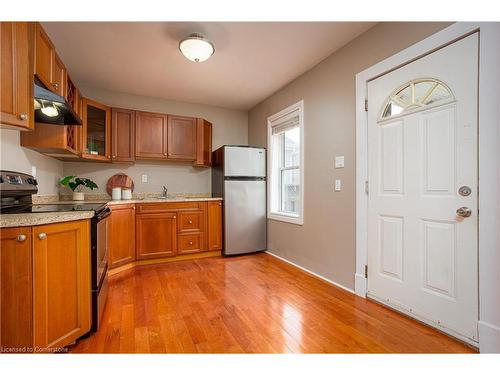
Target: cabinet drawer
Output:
[(169, 207), (190, 243), (191, 221)]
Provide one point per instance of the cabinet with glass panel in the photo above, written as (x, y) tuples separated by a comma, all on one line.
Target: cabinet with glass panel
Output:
[(96, 131)]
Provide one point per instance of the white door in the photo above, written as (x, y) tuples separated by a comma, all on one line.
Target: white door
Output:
[(422, 167)]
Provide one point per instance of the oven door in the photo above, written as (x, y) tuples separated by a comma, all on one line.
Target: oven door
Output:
[(102, 245)]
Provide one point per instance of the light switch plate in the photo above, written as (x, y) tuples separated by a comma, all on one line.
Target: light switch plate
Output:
[(339, 162), (144, 178), (33, 171), (338, 185)]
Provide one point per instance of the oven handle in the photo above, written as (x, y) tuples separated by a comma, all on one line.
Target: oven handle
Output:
[(104, 214)]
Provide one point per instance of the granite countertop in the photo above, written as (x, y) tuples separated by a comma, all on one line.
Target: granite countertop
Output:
[(39, 218), (141, 200), (29, 219)]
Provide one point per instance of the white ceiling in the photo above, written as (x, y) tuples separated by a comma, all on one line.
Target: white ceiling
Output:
[(252, 60)]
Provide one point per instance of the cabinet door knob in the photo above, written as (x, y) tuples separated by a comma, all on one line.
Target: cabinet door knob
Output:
[(23, 116), (21, 238), (190, 221), (165, 153), (174, 217), (56, 85), (42, 236), (190, 242)]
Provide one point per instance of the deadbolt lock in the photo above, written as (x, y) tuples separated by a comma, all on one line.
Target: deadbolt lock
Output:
[(464, 191)]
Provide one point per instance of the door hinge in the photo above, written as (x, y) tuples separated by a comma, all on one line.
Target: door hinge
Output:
[(366, 271), (366, 105), (366, 186)]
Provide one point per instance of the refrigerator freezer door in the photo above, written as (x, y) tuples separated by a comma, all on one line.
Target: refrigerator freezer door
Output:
[(244, 162), (245, 217)]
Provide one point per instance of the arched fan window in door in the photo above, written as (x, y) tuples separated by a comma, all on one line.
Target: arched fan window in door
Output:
[(416, 95)]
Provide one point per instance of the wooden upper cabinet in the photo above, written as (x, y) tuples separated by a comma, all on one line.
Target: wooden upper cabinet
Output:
[(214, 225), (73, 96), (156, 235), (16, 80), (181, 138), (122, 235), (44, 56), (150, 135), (96, 118), (122, 135), (204, 143), (59, 76), (49, 68), (62, 295), (17, 288)]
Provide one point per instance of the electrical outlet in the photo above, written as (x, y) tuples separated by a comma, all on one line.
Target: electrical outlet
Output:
[(144, 178), (338, 185), (339, 162)]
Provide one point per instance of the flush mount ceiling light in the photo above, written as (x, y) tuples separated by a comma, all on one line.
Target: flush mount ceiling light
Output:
[(196, 48)]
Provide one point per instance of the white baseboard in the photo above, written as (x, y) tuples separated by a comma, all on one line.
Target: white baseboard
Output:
[(312, 273), (360, 285), (489, 337)]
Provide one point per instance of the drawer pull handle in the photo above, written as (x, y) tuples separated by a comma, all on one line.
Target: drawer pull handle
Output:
[(23, 116), (21, 238), (42, 236)]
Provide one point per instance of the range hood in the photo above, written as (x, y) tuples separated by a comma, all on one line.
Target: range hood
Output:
[(51, 108)]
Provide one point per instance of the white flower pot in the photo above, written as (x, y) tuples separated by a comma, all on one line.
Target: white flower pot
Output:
[(78, 196)]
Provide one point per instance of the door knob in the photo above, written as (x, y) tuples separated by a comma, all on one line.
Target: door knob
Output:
[(42, 236), (23, 116), (21, 238), (464, 212)]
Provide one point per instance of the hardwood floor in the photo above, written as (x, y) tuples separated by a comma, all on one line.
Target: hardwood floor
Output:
[(249, 304)]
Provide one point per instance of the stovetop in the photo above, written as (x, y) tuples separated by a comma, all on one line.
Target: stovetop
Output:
[(34, 208)]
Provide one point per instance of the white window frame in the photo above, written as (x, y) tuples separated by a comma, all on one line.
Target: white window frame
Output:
[(273, 214)]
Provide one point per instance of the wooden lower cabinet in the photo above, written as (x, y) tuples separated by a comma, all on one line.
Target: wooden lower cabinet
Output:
[(156, 235), (17, 288), (176, 228), (214, 213), (191, 243), (61, 283), (46, 288), (121, 235)]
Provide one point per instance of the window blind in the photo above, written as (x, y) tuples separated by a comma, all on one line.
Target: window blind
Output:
[(286, 122)]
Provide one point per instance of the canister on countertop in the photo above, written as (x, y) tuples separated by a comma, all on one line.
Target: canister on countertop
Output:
[(116, 193), (126, 194)]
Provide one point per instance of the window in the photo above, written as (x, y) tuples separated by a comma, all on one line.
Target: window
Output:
[(286, 164), (416, 95)]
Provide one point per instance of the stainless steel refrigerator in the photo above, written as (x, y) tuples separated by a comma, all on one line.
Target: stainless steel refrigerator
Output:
[(239, 177)]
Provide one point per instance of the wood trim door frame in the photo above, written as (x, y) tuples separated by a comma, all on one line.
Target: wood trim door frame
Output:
[(489, 165)]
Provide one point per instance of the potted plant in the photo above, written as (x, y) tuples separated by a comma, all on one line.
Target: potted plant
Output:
[(76, 184)]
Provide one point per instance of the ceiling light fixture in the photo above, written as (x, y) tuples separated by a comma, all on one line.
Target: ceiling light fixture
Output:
[(196, 48)]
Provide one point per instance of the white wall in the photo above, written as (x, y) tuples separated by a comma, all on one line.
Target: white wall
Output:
[(13, 157)]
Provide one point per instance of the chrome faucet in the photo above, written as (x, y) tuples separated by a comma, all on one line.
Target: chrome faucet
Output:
[(165, 192)]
